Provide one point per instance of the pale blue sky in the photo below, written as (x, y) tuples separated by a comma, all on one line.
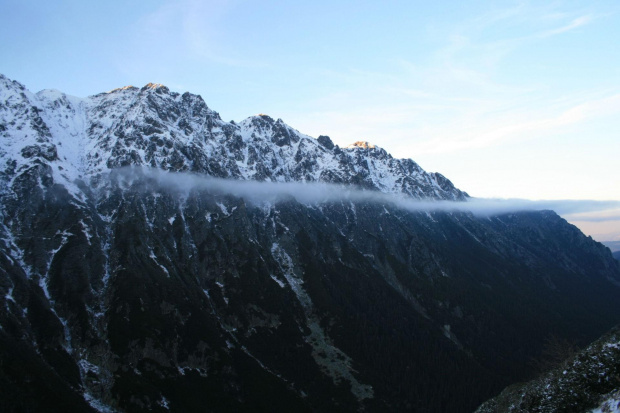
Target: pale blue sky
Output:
[(515, 99)]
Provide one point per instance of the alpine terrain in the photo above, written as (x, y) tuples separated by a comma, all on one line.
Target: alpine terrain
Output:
[(587, 379), (136, 274)]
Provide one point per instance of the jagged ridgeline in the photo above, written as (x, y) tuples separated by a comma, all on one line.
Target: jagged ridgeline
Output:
[(121, 290)]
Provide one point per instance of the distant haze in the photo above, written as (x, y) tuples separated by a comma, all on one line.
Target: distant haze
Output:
[(614, 246)]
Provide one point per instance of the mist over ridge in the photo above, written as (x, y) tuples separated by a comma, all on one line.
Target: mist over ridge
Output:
[(311, 193)]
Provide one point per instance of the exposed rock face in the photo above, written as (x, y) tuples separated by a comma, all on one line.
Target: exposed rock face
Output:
[(590, 379), (161, 129), (118, 293)]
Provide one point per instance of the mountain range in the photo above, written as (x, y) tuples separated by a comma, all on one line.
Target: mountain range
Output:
[(130, 281)]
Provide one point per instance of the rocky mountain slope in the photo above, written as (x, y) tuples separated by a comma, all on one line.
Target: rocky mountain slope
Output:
[(585, 381), (83, 138), (123, 291)]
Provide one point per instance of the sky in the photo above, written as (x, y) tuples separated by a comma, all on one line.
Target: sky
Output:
[(508, 99)]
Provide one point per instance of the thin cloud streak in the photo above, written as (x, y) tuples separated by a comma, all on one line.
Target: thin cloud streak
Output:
[(596, 216), (314, 193), (427, 103), (482, 126), (516, 127), (187, 30), (578, 22)]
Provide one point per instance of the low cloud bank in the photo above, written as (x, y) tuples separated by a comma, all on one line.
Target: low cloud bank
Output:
[(312, 193)]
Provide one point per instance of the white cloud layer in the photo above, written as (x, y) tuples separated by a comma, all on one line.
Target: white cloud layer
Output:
[(312, 193)]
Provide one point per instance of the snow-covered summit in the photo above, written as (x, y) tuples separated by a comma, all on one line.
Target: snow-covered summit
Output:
[(80, 138), (361, 144)]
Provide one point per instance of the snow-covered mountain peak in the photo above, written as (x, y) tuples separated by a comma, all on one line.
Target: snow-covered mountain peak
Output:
[(7, 84), (278, 132), (50, 94), (362, 144), (157, 87), (262, 121), (81, 138), (118, 89)]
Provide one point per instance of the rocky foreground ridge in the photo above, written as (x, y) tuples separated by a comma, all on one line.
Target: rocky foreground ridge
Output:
[(118, 293), (586, 381)]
